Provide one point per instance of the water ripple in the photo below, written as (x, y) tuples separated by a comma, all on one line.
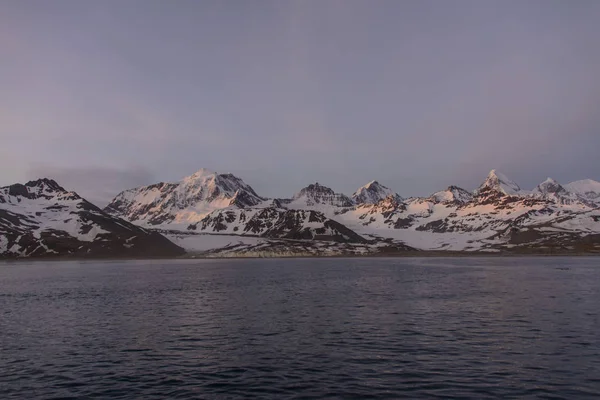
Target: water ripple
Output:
[(301, 329)]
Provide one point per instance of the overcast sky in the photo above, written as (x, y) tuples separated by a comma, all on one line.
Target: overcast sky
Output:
[(108, 95)]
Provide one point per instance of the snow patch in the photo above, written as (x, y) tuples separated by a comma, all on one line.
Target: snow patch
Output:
[(205, 242)]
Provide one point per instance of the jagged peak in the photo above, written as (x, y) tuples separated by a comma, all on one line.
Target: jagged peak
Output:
[(373, 192), (316, 194), (499, 182), (371, 184), (50, 183), (314, 188), (34, 189), (42, 184), (202, 175), (495, 174), (452, 194), (549, 186), (550, 180)]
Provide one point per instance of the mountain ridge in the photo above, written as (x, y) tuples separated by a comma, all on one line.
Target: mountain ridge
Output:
[(498, 216), (486, 219)]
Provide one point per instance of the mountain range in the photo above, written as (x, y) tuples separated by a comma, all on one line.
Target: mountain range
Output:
[(215, 214)]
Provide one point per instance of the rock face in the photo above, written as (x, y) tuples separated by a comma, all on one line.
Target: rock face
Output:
[(372, 193), (183, 202), (277, 223), (40, 218)]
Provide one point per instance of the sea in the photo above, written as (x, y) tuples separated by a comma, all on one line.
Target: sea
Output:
[(312, 328)]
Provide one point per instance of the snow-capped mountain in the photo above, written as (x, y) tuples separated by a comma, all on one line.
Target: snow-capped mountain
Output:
[(183, 202), (498, 216), (40, 218), (489, 220), (372, 193), (587, 188), (497, 181), (319, 197)]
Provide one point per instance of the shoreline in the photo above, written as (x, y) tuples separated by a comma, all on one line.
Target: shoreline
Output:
[(408, 254)]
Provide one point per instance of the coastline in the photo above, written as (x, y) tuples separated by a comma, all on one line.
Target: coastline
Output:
[(407, 254)]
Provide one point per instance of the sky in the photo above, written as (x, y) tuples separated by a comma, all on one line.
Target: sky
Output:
[(108, 95)]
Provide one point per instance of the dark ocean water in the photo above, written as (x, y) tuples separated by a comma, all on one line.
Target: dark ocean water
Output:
[(301, 329)]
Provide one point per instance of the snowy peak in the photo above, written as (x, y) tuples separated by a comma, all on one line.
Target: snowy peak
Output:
[(499, 182), (452, 195), (372, 193), (553, 191), (549, 186), (186, 201), (587, 188), (316, 195), (205, 185)]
